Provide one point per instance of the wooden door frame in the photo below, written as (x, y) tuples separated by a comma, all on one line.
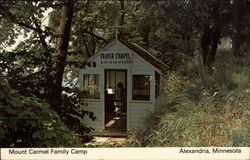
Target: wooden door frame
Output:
[(126, 94)]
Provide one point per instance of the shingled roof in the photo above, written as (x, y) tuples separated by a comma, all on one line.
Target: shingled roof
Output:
[(147, 56)]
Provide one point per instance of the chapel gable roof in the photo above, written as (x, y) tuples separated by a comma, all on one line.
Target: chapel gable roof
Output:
[(140, 51), (146, 55)]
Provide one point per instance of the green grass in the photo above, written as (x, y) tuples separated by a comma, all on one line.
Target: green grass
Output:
[(191, 115)]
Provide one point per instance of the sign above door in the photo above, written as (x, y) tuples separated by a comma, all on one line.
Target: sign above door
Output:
[(115, 58)]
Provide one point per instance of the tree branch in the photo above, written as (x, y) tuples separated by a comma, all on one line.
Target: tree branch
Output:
[(12, 18), (96, 36), (41, 36)]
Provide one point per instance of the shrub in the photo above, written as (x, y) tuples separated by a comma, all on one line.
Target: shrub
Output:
[(28, 122)]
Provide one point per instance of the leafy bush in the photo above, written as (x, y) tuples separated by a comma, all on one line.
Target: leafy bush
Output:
[(28, 122), (73, 105), (27, 72)]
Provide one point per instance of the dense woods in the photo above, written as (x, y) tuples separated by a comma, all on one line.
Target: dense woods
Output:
[(37, 75)]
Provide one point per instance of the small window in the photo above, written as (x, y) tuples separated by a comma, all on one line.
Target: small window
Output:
[(91, 84), (141, 87), (157, 84)]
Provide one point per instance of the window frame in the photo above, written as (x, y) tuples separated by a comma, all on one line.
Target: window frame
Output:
[(96, 80), (149, 88), (157, 84)]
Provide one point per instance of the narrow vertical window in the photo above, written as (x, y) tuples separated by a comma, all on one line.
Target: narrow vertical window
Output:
[(141, 87), (157, 84), (91, 85)]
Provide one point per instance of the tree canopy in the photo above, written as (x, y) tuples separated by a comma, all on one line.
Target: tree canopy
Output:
[(171, 30)]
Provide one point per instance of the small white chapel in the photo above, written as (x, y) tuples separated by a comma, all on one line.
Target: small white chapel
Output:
[(123, 82)]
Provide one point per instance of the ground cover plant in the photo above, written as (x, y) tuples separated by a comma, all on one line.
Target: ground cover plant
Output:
[(194, 115)]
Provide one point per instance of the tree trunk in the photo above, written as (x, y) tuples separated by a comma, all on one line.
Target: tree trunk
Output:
[(121, 20), (122, 16), (201, 69), (210, 38), (59, 59), (248, 27), (205, 42), (236, 41), (215, 37)]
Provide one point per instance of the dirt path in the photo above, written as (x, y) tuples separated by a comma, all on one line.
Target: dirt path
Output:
[(106, 141)]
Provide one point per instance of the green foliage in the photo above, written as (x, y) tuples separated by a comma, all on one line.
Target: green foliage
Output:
[(239, 137), (158, 26), (28, 67), (26, 121), (73, 106), (7, 35), (195, 116), (27, 72)]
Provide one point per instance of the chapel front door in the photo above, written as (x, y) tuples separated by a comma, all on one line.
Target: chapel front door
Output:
[(116, 100)]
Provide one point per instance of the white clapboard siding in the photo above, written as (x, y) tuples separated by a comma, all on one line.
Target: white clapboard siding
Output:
[(116, 47), (137, 110), (97, 108), (140, 65)]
